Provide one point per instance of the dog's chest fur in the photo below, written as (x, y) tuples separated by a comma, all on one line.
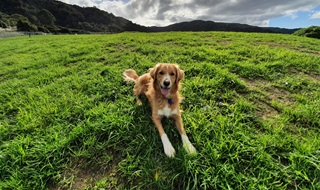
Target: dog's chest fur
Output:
[(167, 111)]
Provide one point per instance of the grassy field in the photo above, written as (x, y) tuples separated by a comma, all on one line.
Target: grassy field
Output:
[(69, 121)]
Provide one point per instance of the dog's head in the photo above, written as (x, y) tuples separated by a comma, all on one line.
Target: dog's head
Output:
[(166, 77)]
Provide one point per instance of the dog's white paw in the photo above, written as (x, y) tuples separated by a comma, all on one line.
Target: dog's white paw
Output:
[(189, 148), (169, 150), (187, 145), (167, 146)]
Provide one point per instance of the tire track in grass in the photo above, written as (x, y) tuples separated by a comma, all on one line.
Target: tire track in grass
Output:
[(270, 94)]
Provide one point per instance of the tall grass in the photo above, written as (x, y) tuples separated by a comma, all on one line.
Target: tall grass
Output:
[(69, 121)]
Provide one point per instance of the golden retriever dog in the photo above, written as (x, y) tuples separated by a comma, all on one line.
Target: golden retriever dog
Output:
[(161, 86)]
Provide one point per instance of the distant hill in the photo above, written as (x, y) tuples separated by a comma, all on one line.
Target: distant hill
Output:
[(200, 25), (58, 17), (68, 18), (311, 32)]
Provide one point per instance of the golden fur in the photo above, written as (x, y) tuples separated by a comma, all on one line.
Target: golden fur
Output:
[(161, 86)]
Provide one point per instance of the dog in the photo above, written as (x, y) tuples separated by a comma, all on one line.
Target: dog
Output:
[(161, 87)]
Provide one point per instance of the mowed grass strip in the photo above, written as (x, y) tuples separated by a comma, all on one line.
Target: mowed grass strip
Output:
[(69, 121)]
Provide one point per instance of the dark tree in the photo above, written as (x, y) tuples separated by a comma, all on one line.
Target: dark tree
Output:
[(26, 26), (3, 24), (46, 18)]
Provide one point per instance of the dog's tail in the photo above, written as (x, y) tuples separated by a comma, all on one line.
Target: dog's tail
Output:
[(130, 75)]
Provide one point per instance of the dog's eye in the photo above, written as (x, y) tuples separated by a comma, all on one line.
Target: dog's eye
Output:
[(172, 74), (161, 73)]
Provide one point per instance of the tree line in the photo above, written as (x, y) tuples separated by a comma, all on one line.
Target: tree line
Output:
[(44, 20)]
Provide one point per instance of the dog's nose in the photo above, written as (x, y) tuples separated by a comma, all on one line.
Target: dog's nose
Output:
[(166, 83)]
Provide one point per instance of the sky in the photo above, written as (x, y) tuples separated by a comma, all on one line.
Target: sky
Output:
[(264, 13)]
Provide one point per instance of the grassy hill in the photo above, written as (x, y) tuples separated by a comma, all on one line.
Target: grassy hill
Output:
[(58, 17), (251, 109)]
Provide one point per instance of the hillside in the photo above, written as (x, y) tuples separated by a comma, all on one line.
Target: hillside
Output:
[(69, 121), (68, 18), (311, 32), (57, 17), (199, 25)]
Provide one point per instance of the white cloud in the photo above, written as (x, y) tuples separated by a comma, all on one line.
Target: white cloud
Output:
[(165, 12), (83, 3), (115, 7), (315, 15)]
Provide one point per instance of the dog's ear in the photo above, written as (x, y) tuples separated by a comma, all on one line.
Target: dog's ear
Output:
[(153, 71), (180, 73)]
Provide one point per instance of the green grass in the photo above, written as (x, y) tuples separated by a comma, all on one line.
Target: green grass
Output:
[(69, 121)]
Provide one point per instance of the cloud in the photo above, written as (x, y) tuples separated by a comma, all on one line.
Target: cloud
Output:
[(165, 12), (83, 3), (315, 15)]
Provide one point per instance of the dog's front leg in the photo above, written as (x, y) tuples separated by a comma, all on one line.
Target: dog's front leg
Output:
[(167, 146), (185, 140)]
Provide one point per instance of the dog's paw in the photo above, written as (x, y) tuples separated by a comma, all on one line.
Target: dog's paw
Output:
[(167, 146), (189, 148), (169, 151), (187, 145), (139, 102)]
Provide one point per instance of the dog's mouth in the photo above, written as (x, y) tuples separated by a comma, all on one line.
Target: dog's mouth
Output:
[(164, 90)]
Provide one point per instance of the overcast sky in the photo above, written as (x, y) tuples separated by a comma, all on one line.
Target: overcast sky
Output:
[(279, 13)]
